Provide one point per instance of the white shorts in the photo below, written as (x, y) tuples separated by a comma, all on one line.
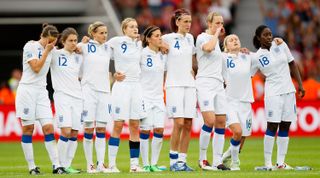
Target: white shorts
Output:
[(156, 114), (127, 101), (181, 102), (32, 103), (96, 105), (240, 112), (68, 110), (211, 95), (281, 108)]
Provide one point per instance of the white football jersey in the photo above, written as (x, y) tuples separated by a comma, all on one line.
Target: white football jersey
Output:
[(65, 69), (152, 74), (126, 54), (236, 70), (34, 50), (179, 61), (274, 65), (209, 64), (95, 70)]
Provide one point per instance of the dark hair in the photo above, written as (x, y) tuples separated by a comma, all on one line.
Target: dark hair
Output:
[(176, 16), (257, 34), (65, 34), (49, 30), (147, 34)]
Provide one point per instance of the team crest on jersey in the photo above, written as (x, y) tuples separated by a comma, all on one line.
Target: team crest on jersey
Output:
[(242, 56), (106, 47), (61, 118), (206, 102), (117, 110), (276, 49), (25, 111), (28, 54), (174, 109), (270, 113)]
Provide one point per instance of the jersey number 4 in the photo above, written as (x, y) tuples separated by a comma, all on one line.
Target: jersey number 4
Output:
[(177, 45)]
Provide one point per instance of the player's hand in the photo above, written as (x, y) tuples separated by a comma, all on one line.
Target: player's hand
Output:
[(118, 76), (51, 45), (245, 50), (278, 41), (301, 92), (85, 39), (164, 48), (78, 50)]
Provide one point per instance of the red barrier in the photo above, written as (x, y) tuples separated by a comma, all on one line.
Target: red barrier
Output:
[(308, 123)]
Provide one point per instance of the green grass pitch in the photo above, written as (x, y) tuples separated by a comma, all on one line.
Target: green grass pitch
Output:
[(302, 151)]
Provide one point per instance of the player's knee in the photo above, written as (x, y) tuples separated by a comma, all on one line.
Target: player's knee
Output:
[(178, 124), (158, 130), (272, 127), (47, 129), (101, 129), (284, 126), (145, 132), (187, 125), (237, 134), (28, 129)]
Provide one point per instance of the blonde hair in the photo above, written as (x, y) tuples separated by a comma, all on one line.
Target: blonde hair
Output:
[(124, 23), (93, 27), (211, 15), (225, 42)]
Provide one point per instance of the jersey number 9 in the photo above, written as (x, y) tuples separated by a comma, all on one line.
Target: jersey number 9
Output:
[(124, 47)]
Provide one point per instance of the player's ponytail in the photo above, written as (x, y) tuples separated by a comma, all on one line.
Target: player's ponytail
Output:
[(49, 31), (177, 14)]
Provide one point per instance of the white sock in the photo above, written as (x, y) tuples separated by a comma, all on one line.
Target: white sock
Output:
[(282, 143), (87, 147), (27, 148), (72, 148), (113, 148), (204, 140), (51, 146), (144, 148), (156, 146), (234, 149), (217, 147), (268, 147), (134, 162), (182, 157), (63, 151), (173, 157), (100, 145)]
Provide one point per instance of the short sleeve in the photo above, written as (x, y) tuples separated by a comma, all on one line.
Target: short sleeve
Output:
[(287, 52), (29, 52)]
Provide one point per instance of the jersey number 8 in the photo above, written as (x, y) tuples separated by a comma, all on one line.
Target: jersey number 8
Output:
[(149, 62)]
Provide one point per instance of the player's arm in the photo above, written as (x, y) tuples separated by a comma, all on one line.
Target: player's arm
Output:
[(211, 44), (295, 71), (35, 64), (194, 66)]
